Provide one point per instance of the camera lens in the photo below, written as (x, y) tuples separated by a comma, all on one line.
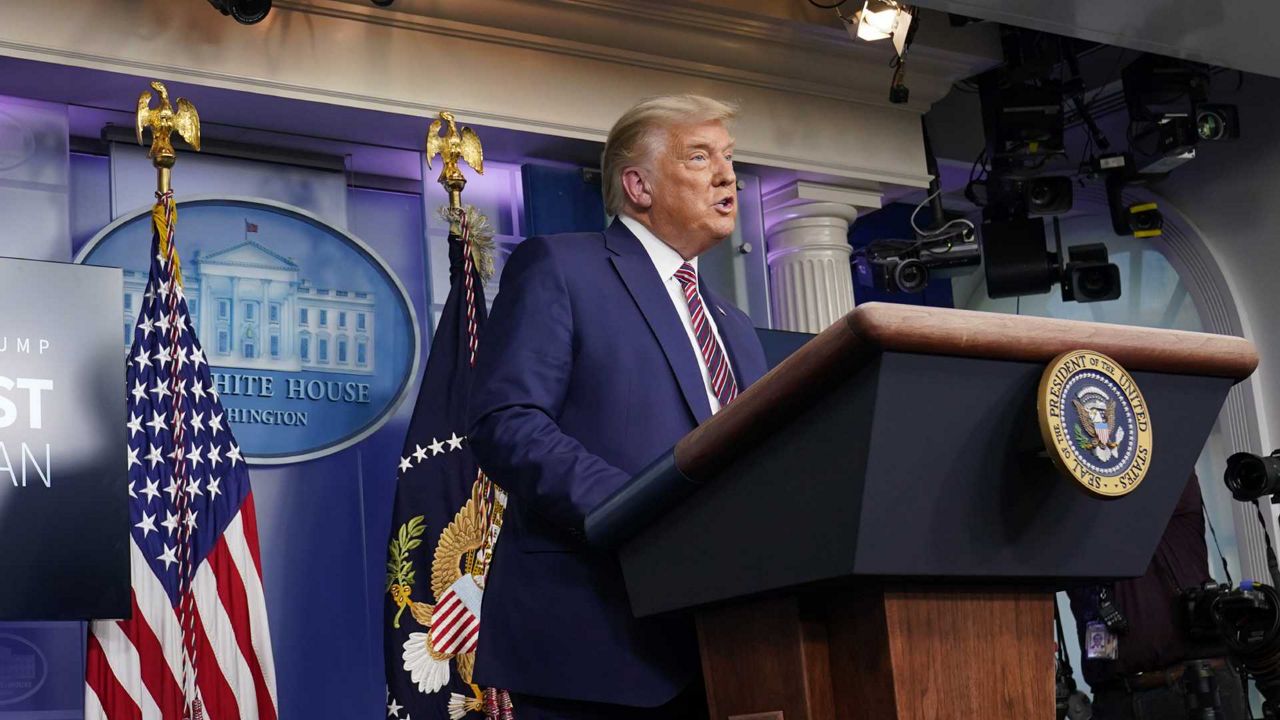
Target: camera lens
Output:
[(1149, 220), (1250, 476), (911, 276), (1040, 194), (1210, 125), (1093, 284)]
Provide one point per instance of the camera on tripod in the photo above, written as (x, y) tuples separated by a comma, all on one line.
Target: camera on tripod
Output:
[(1245, 620), (1209, 607)]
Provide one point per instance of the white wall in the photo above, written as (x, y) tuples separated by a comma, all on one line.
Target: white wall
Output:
[(1231, 192), (35, 176), (813, 101)]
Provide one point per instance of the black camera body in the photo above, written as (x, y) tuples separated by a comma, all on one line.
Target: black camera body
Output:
[(892, 273), (1089, 275), (905, 266), (1169, 113), (1196, 609), (1208, 608), (1016, 263), (1250, 477), (1242, 624), (1141, 220)]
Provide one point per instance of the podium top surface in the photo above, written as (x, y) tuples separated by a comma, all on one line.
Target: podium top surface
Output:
[(967, 333), (881, 327)]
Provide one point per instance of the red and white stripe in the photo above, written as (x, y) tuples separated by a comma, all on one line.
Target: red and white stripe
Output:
[(454, 627), (134, 667)]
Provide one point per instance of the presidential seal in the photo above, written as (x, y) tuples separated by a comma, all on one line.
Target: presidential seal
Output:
[(1095, 423)]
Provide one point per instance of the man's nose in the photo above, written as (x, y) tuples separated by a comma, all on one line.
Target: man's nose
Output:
[(724, 174)]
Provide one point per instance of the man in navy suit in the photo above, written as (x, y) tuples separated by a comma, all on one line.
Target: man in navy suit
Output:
[(602, 350)]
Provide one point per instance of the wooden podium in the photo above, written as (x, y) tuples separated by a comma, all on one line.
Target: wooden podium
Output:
[(874, 530)]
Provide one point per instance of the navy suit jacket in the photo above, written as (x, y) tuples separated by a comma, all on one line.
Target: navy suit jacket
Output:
[(585, 375)]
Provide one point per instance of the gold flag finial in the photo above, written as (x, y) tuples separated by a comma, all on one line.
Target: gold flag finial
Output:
[(451, 147), (163, 121)]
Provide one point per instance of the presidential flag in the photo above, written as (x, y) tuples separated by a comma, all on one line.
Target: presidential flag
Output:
[(446, 519), (197, 644)]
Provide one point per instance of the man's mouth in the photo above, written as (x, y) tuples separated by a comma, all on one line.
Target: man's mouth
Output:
[(725, 205)]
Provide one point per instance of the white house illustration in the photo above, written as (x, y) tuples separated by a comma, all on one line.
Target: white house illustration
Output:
[(253, 310)]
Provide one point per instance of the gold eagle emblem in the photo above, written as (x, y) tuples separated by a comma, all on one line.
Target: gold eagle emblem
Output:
[(452, 147), (458, 568), (1087, 422), (163, 121)]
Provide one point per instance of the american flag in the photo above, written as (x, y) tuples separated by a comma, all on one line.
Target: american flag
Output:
[(197, 644)]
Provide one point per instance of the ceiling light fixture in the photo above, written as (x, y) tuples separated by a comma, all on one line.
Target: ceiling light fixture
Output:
[(245, 12), (881, 20)]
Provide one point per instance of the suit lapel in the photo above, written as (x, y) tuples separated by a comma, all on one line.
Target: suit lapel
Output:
[(642, 282)]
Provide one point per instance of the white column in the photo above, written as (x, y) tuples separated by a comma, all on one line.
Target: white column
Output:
[(807, 227), (233, 320), (208, 315), (810, 280), (289, 324)]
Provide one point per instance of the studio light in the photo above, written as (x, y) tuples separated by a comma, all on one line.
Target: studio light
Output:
[(881, 20), (877, 19), (245, 12)]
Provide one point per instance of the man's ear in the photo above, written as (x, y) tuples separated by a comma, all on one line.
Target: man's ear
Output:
[(635, 183)]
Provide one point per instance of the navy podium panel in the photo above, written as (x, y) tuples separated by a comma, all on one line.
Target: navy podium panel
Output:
[(923, 467)]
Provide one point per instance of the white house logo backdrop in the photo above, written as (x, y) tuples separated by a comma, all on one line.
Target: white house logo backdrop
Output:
[(312, 339), (1095, 422), (23, 670)]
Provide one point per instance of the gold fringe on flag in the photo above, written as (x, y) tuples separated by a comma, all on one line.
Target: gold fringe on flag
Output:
[(481, 237), (166, 206)]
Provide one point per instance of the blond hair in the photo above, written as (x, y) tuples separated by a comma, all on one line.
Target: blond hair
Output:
[(639, 133)]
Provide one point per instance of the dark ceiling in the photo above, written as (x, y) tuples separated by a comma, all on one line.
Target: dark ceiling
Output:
[(1235, 34)]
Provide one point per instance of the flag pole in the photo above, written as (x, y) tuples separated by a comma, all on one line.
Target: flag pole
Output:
[(467, 542), (163, 121), (160, 659)]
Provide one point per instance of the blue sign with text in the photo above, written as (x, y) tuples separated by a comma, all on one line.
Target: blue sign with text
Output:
[(312, 339)]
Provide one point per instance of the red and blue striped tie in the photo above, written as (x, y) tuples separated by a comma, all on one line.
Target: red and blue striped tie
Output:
[(722, 382)]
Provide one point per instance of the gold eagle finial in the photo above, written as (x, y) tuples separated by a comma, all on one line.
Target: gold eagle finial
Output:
[(451, 147), (163, 121)]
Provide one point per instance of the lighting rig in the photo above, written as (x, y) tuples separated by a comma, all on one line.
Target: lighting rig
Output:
[(1025, 175)]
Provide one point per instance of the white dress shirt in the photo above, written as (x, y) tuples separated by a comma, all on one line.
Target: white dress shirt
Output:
[(667, 261)]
